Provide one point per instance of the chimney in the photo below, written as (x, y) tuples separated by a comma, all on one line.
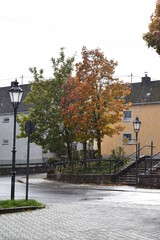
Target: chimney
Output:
[(146, 79)]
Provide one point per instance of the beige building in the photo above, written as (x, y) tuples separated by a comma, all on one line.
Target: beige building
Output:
[(145, 99)]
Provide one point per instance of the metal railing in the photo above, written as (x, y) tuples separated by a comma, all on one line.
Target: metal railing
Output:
[(88, 166), (119, 163), (151, 168), (122, 162)]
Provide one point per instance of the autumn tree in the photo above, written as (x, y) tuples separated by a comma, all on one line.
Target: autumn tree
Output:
[(75, 111), (44, 105), (152, 37), (95, 104)]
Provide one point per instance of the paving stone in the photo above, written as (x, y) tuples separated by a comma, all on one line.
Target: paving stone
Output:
[(84, 220)]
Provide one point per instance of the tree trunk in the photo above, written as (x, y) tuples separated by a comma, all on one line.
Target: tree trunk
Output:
[(85, 150), (85, 153), (98, 131), (99, 144), (69, 149)]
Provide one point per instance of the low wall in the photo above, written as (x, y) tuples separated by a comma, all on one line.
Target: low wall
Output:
[(23, 170), (151, 181), (80, 178)]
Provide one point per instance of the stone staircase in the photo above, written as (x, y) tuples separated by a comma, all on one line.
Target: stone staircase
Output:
[(127, 176)]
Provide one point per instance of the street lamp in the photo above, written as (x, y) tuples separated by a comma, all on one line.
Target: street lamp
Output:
[(15, 93), (136, 126)]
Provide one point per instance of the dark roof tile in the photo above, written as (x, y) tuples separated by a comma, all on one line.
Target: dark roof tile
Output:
[(141, 92), (5, 103)]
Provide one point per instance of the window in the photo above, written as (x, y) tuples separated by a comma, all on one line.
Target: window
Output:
[(5, 142), (127, 136), (5, 120), (127, 115)]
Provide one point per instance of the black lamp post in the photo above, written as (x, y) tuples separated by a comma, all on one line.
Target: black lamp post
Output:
[(15, 93), (136, 126)]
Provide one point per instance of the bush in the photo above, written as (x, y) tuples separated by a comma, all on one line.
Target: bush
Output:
[(118, 154), (53, 160)]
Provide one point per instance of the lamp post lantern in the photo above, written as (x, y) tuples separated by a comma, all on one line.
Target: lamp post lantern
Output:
[(136, 126), (15, 93)]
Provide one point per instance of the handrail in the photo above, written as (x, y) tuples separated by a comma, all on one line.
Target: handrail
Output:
[(146, 146), (154, 155), (151, 158), (131, 155)]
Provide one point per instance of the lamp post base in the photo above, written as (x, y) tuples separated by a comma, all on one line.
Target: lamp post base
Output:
[(13, 174)]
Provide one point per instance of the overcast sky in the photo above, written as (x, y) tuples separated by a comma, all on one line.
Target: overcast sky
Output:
[(33, 31)]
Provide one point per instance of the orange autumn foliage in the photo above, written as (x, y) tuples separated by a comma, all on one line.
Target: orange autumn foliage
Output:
[(93, 100)]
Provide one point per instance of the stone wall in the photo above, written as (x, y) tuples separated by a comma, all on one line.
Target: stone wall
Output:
[(149, 181), (80, 178), (22, 170)]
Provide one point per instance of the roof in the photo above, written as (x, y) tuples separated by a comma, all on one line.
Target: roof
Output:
[(6, 106), (145, 92)]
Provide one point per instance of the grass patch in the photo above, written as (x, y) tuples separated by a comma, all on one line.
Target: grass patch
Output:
[(20, 203)]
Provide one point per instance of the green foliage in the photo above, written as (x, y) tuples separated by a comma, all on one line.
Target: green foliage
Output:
[(118, 157), (44, 102), (118, 154), (21, 120), (102, 166), (19, 203), (53, 160), (92, 166), (89, 105)]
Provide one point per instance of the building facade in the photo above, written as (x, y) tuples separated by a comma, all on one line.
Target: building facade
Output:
[(6, 131), (145, 99)]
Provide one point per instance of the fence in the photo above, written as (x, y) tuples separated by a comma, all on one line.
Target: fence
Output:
[(89, 166), (106, 166), (152, 165), (139, 154)]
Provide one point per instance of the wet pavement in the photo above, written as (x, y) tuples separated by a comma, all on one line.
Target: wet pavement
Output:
[(82, 212)]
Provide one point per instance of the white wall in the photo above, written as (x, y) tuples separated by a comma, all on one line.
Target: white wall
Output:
[(6, 133)]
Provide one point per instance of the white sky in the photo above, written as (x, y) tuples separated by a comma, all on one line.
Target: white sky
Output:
[(33, 31)]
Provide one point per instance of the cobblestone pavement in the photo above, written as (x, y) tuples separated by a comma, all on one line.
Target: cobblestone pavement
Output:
[(94, 219), (85, 213)]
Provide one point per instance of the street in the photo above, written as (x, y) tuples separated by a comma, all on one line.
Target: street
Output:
[(81, 212)]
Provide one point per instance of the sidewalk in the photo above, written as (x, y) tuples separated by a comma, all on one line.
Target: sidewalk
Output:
[(116, 212), (42, 178)]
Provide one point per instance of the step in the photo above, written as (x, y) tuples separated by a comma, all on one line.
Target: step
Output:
[(129, 178), (127, 183)]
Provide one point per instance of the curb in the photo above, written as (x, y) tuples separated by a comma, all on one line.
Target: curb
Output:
[(19, 209)]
